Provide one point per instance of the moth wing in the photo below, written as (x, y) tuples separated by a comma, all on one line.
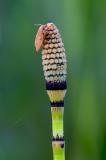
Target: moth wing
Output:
[(39, 38)]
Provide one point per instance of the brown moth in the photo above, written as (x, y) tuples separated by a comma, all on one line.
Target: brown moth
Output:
[(41, 35), (39, 38)]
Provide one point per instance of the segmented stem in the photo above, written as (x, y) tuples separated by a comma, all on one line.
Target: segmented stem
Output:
[(54, 66), (58, 143)]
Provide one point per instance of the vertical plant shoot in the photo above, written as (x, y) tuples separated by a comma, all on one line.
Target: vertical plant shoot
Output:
[(55, 69)]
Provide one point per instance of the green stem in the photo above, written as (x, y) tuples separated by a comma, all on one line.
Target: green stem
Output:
[(58, 134)]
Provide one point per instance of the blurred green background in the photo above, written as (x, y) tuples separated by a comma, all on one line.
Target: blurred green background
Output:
[(25, 119)]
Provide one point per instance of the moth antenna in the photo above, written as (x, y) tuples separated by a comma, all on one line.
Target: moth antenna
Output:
[(37, 24)]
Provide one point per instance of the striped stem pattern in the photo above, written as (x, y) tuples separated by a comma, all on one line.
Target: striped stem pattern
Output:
[(55, 70)]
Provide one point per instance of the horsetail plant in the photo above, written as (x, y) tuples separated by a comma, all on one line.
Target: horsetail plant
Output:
[(55, 69)]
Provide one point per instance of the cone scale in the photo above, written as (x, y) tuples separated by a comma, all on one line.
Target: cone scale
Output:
[(55, 70)]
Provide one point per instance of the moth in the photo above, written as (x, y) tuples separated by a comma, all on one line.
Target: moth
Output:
[(41, 35)]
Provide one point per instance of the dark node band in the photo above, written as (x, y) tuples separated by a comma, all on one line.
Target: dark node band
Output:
[(57, 104), (56, 85), (58, 138)]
